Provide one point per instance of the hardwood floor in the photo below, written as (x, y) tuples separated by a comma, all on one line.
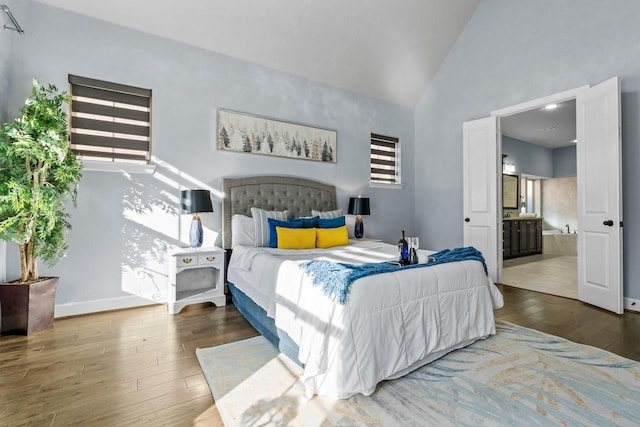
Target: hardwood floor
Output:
[(573, 320), (138, 368), (130, 367)]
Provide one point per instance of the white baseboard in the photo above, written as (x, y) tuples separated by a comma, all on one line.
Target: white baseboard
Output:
[(632, 304), (107, 304)]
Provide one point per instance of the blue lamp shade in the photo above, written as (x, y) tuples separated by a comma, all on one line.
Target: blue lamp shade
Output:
[(359, 206), (195, 202)]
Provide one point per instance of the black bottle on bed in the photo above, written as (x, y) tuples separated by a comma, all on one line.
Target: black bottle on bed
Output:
[(403, 250)]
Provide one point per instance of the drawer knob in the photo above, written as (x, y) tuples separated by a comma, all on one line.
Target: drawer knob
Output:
[(210, 258), (187, 260)]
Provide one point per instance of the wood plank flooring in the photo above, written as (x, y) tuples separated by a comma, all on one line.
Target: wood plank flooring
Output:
[(138, 368), (573, 320), (128, 368)]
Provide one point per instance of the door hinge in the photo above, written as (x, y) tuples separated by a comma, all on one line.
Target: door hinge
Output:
[(620, 223)]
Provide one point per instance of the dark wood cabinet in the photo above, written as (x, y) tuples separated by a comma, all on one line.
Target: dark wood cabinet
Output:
[(527, 237), (521, 237), (506, 239)]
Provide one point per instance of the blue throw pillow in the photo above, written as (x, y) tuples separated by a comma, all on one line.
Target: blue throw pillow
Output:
[(273, 223), (331, 223), (308, 222)]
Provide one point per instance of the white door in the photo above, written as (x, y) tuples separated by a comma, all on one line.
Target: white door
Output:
[(480, 189), (600, 196)]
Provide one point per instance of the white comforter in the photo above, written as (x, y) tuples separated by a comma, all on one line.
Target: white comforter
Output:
[(392, 323)]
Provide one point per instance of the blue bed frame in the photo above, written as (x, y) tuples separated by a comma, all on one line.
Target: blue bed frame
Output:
[(264, 324)]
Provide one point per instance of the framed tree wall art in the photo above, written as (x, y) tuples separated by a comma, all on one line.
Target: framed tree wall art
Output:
[(247, 133)]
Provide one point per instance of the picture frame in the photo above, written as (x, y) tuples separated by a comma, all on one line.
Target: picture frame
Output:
[(247, 133)]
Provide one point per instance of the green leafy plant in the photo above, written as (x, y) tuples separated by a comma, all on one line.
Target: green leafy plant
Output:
[(39, 177)]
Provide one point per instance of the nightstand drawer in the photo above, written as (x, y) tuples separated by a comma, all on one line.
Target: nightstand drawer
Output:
[(210, 259), (186, 260)]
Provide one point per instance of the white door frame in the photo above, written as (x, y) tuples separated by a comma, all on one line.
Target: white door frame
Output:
[(540, 102), (614, 286), (521, 108)]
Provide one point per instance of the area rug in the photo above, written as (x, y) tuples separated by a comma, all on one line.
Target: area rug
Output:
[(519, 377)]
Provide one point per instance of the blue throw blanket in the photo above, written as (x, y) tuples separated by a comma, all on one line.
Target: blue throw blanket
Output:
[(336, 278)]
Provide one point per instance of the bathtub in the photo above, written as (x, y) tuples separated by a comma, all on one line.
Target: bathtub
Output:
[(555, 242)]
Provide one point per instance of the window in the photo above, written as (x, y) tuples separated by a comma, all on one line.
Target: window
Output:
[(385, 159), (110, 122)]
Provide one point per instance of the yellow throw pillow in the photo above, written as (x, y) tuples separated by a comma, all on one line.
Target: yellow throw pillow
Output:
[(296, 238), (330, 237)]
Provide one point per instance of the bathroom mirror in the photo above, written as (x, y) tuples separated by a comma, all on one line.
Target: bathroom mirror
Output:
[(510, 191)]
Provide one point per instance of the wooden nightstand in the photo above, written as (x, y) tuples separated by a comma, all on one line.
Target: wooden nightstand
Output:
[(195, 275)]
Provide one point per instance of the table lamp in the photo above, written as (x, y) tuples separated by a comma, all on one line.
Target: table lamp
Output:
[(195, 202), (359, 206)]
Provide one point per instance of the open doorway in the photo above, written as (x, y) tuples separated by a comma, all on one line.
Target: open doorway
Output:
[(599, 189), (540, 230)]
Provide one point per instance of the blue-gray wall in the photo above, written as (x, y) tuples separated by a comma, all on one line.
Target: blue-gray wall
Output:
[(537, 161), (124, 224), (6, 38), (529, 159), (565, 162), (515, 51)]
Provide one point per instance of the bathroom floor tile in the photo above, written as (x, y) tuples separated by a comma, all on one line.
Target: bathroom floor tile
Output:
[(551, 274)]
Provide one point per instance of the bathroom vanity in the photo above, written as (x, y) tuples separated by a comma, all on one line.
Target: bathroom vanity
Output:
[(521, 236)]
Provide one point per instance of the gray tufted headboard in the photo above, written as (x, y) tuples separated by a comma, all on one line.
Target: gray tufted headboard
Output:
[(298, 195)]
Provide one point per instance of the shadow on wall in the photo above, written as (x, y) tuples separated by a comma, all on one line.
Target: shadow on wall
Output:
[(152, 228)]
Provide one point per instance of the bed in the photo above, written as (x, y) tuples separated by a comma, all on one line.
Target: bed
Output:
[(391, 323)]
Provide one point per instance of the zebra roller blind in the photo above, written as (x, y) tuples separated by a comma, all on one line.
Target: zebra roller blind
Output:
[(385, 164), (110, 122)]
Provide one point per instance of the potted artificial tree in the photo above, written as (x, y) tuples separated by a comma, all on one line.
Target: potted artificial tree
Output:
[(39, 177)]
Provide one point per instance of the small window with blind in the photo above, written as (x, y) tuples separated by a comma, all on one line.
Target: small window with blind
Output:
[(385, 160), (110, 122)]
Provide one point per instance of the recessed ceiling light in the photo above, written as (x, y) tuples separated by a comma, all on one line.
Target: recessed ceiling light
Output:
[(551, 106)]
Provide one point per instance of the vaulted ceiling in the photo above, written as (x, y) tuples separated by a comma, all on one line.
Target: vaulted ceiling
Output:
[(387, 49)]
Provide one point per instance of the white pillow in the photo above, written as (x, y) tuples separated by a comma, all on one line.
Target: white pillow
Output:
[(242, 231), (327, 214), (261, 225)]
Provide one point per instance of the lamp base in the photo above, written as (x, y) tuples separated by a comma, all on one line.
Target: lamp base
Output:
[(195, 232), (358, 231)]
